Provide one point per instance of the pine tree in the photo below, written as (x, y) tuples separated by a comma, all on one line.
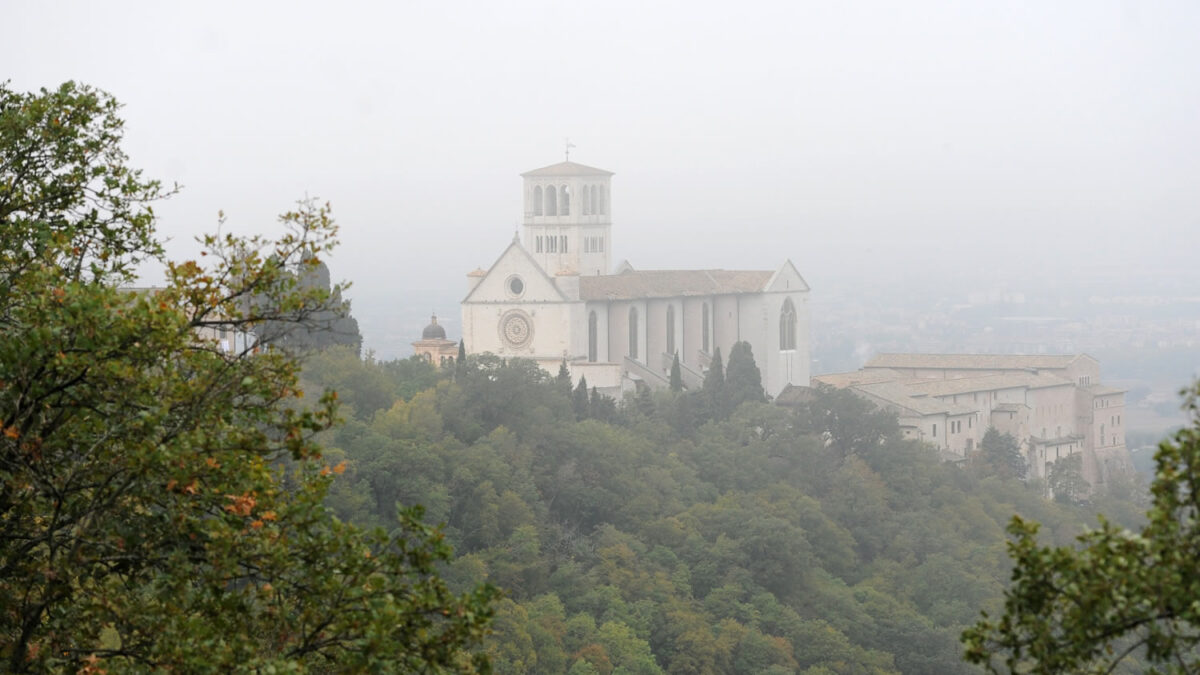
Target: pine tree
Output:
[(676, 375), (579, 400), (460, 364), (743, 381), (714, 379), (563, 379)]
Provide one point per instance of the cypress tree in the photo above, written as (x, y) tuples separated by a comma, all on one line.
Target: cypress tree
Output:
[(676, 375), (460, 364), (563, 379), (579, 400), (743, 381), (714, 379)]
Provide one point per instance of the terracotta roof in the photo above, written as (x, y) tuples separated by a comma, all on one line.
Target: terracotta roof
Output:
[(896, 394), (567, 169), (967, 385), (671, 284), (855, 377), (972, 361)]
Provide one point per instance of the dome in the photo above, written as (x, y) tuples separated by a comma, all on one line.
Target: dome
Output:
[(433, 331)]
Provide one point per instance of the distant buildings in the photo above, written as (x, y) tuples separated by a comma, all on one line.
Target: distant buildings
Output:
[(1054, 405), (554, 295), (434, 347)]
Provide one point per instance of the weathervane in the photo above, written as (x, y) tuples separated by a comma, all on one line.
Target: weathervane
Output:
[(568, 149)]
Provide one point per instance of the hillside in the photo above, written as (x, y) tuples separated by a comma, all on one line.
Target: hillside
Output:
[(676, 534)]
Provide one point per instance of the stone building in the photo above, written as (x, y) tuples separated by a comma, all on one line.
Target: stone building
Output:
[(1054, 405), (553, 294), (434, 347)]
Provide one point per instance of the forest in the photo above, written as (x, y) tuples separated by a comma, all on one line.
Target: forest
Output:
[(686, 532)]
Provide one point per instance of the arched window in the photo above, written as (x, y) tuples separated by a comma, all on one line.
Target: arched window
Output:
[(787, 325), (595, 201), (704, 329), (592, 337), (603, 200), (670, 329), (551, 201), (587, 202), (537, 200), (633, 333), (564, 201)]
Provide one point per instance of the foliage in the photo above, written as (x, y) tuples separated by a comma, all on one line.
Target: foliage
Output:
[(1000, 454), (743, 381), (676, 380), (1118, 597), (321, 328), (663, 537), (161, 497)]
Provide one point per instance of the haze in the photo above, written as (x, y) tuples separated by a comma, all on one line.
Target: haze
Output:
[(874, 144)]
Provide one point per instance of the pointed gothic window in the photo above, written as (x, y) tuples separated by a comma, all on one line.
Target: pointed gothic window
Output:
[(592, 337), (564, 204), (537, 200), (787, 325), (670, 329), (633, 332), (704, 329), (551, 201)]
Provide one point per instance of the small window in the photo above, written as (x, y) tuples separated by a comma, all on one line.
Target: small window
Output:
[(551, 201), (539, 244), (600, 241), (603, 200), (935, 431), (564, 243), (516, 286), (564, 203)]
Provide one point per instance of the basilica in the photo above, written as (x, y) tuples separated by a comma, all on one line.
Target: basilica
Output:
[(553, 295)]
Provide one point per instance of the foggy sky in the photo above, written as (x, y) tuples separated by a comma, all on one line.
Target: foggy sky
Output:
[(865, 141)]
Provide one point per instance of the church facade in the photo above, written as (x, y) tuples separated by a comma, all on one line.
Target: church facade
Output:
[(553, 294)]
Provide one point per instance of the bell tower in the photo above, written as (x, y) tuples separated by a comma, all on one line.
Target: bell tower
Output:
[(568, 218)]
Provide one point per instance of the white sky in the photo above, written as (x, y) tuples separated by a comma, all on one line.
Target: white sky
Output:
[(862, 140)]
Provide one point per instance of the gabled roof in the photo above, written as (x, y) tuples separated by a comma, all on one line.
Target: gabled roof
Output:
[(973, 361), (671, 284), (520, 251), (566, 169)]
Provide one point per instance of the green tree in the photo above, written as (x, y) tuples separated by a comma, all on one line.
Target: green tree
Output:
[(1000, 454), (579, 400), (743, 381), (1115, 596), (563, 379), (714, 377), (1066, 481), (676, 375), (460, 363), (161, 497)]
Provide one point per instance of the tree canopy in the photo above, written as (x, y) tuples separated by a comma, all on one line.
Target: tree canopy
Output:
[(162, 497), (1117, 598)]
